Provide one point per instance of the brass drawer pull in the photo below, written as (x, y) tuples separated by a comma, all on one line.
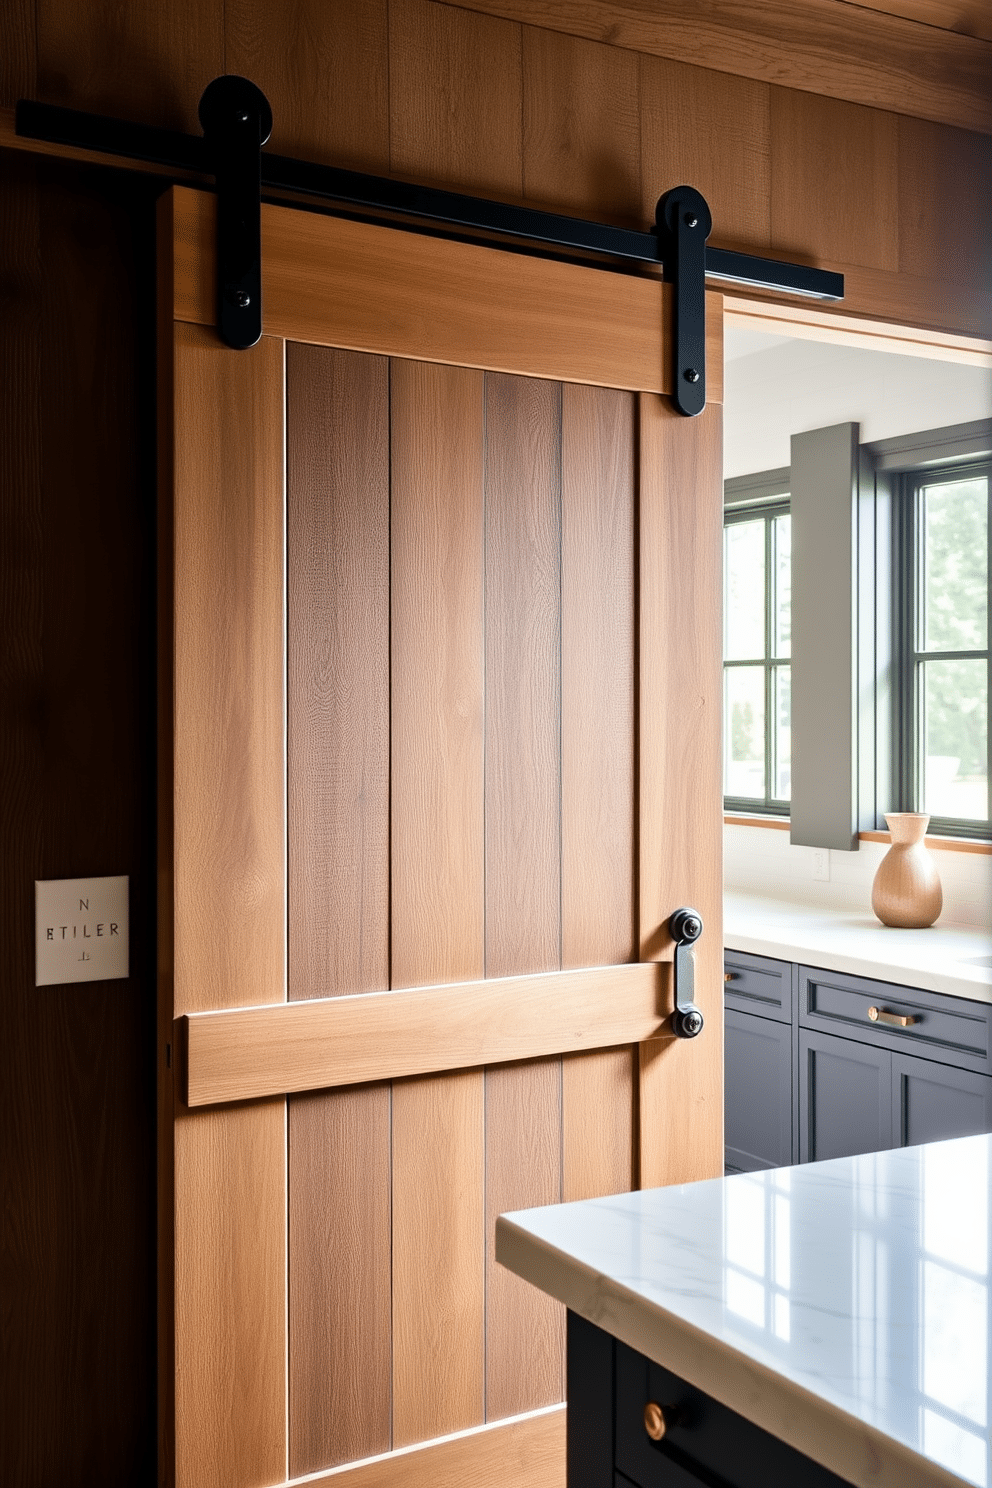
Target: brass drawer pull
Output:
[(894, 1020), (730, 976), (656, 1420)]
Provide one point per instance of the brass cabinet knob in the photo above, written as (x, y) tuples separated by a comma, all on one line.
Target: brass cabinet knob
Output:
[(655, 1423)]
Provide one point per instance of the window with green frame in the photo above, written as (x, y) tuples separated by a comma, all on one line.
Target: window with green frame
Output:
[(756, 649), (941, 628)]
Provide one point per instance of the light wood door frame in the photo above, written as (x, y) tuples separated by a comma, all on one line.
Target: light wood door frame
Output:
[(222, 783)]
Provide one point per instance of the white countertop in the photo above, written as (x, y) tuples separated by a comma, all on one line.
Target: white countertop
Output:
[(945, 958), (842, 1306)]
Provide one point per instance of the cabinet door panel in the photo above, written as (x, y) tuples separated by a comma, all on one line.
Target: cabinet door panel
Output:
[(757, 984), (845, 1097), (931, 1102), (758, 1092)]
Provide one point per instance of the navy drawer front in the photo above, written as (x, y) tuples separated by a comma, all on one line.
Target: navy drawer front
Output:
[(948, 1029), (757, 984), (710, 1444)]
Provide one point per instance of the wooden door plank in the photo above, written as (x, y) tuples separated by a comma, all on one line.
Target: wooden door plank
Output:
[(338, 802), (597, 766), (680, 686), (225, 664), (325, 71), (817, 46), (524, 1332), (247, 1054), (437, 888), (523, 1452), (454, 98), (724, 153), (581, 126), (367, 288)]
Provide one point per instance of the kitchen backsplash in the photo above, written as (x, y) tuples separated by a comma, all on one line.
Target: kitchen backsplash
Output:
[(760, 860)]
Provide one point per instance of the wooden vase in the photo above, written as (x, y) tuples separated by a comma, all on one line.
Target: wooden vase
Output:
[(906, 891)]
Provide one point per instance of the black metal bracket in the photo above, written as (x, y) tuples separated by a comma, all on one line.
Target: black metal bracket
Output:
[(237, 120)]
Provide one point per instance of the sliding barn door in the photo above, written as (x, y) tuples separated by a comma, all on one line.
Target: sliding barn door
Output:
[(440, 756)]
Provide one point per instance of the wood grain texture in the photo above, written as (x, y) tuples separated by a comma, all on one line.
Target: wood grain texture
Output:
[(248, 1053), (338, 809), (858, 330), (834, 170), (725, 153), (438, 1257), (438, 896), (228, 644), (581, 123), (230, 1248), (681, 525), (524, 1333), (368, 288), (825, 47), (938, 172), (324, 69), (454, 98), (970, 17), (337, 535), (340, 1236), (527, 1452), (19, 56), (598, 898), (148, 63)]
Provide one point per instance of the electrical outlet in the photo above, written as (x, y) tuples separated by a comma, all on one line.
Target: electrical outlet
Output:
[(821, 864)]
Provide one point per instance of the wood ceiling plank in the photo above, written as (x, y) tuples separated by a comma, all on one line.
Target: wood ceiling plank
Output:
[(820, 46)]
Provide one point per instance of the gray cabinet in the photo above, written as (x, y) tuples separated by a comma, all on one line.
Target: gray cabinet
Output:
[(822, 1064)]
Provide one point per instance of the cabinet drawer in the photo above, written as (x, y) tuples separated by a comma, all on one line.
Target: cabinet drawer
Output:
[(942, 1028), (756, 984)]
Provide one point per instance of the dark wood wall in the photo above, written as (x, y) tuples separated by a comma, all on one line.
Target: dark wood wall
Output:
[(422, 90)]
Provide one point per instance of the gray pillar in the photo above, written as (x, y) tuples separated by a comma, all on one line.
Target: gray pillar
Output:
[(824, 638)]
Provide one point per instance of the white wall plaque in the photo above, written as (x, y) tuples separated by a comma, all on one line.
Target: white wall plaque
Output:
[(80, 930)]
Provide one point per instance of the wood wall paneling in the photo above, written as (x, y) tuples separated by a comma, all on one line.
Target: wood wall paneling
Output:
[(945, 220), (834, 180), (581, 126), (524, 1331), (970, 17), (823, 47), (148, 63), (597, 767), (229, 826), (338, 892), (438, 896), (710, 130), (454, 98), (680, 685), (324, 69)]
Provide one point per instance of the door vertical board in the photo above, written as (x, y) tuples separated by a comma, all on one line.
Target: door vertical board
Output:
[(438, 1254), (340, 1356), (582, 129), (337, 533), (524, 1331), (438, 895), (228, 855), (726, 145), (454, 98), (598, 809), (681, 802)]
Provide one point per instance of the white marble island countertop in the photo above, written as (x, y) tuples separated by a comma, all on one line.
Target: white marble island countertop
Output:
[(946, 958), (842, 1306)]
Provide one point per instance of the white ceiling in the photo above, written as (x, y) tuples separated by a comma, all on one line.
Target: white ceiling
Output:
[(777, 386)]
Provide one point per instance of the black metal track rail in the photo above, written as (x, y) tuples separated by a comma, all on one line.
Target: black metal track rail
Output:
[(185, 152)]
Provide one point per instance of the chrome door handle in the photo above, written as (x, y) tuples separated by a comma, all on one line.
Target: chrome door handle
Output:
[(685, 927)]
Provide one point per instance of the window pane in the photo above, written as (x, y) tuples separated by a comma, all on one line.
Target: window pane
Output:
[(954, 568), (782, 763), (954, 696), (744, 745), (744, 611), (782, 548)]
